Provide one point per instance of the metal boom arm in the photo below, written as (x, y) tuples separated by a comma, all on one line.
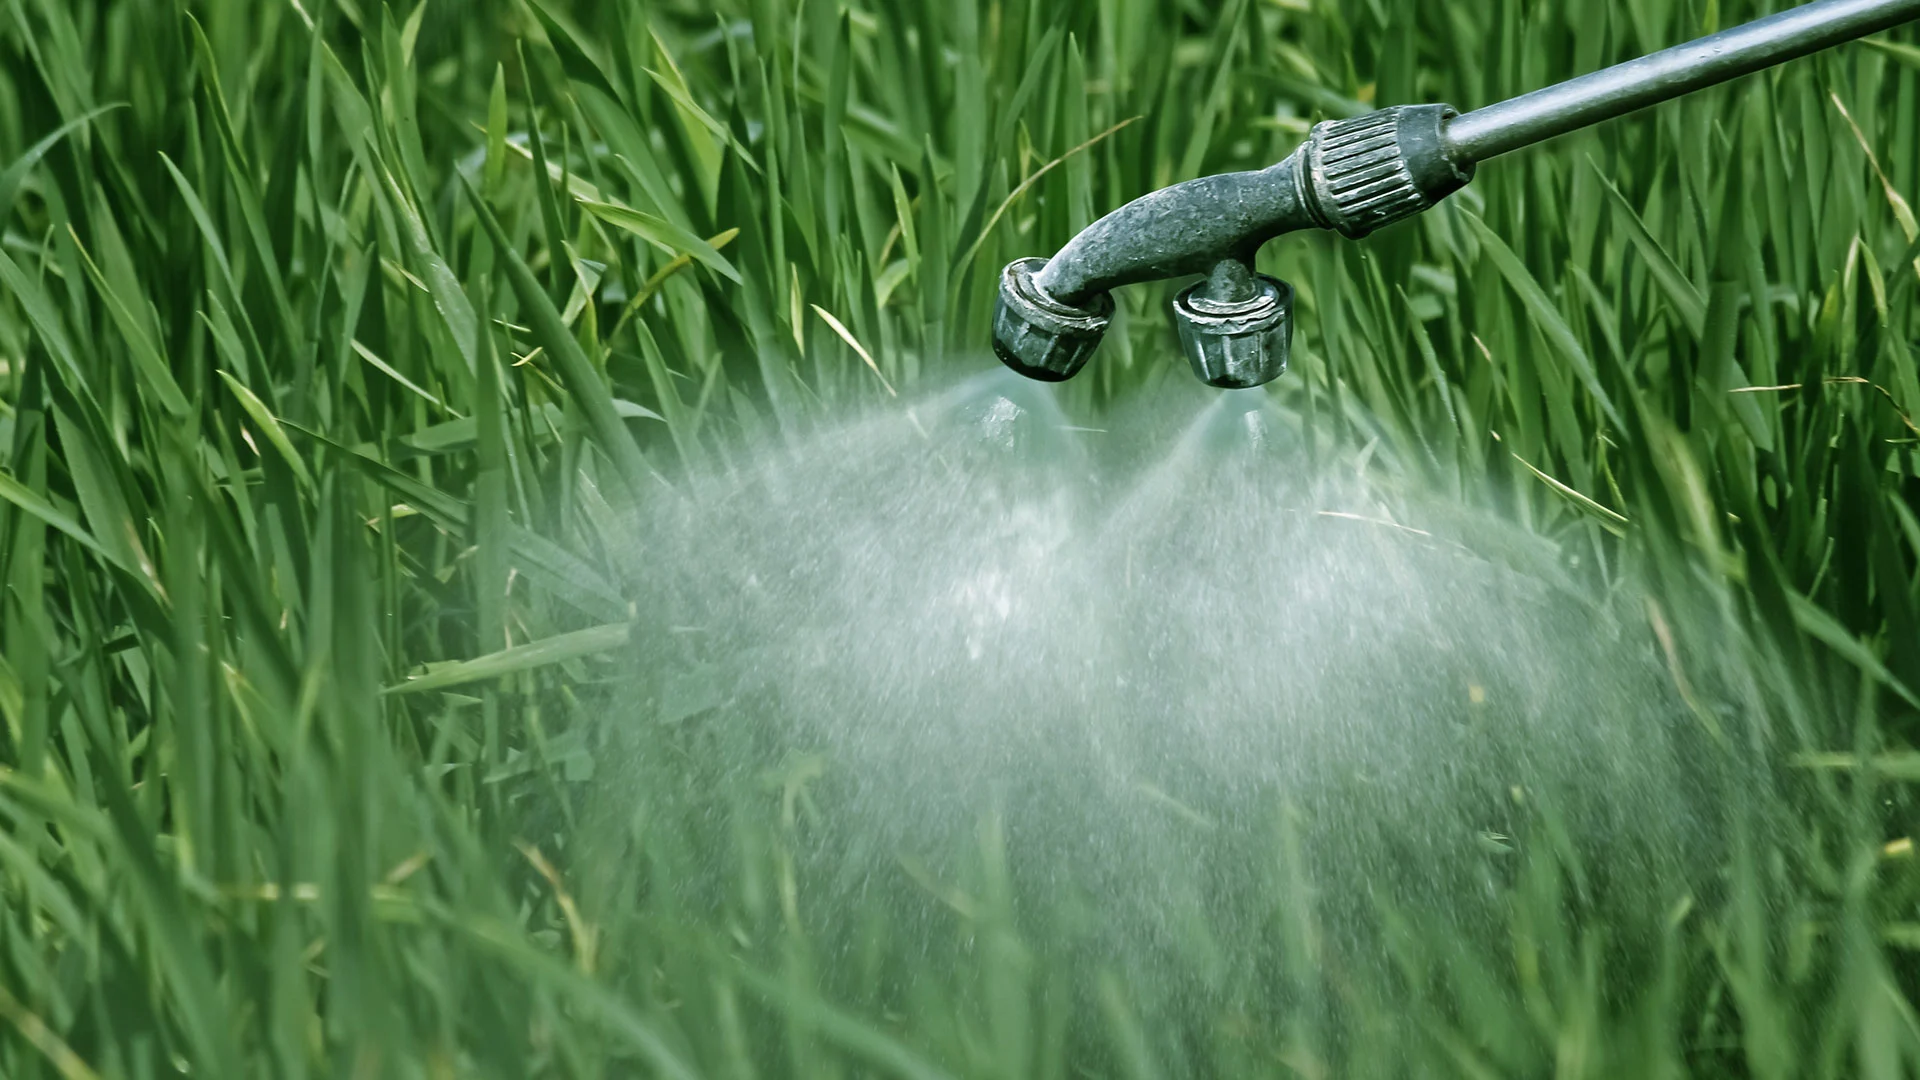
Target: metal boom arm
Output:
[(1670, 73)]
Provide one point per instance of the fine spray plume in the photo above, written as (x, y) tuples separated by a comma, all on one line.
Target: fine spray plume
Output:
[(1166, 665), (1155, 670)]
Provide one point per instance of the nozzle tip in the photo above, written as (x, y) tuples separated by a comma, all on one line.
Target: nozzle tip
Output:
[(1237, 346), (1040, 337)]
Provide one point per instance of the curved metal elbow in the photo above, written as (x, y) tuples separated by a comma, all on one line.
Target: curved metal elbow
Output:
[(1351, 176), (1183, 229)]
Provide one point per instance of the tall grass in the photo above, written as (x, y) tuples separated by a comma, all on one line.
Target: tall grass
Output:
[(335, 337)]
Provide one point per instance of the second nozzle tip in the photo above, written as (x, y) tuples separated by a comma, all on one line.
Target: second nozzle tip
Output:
[(1237, 345)]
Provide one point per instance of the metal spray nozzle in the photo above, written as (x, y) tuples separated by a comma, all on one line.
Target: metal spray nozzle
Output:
[(1351, 176)]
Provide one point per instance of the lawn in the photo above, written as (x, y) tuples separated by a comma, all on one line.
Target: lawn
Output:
[(386, 390)]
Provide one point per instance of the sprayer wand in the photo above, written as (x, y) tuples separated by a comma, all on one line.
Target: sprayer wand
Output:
[(1353, 177)]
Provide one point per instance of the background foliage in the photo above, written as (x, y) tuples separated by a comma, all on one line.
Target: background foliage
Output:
[(335, 340)]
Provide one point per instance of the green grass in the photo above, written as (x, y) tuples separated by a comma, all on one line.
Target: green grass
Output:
[(333, 338)]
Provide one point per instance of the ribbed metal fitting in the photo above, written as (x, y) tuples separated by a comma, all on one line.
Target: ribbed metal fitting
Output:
[(1040, 337), (1237, 346), (1371, 171)]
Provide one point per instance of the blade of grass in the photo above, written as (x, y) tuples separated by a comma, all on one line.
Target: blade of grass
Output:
[(1544, 314), (1681, 293), (543, 653), (16, 173), (664, 235), (270, 427), (588, 389), (847, 336)]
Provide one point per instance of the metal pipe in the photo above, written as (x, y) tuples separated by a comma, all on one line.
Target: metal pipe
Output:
[(1624, 88)]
